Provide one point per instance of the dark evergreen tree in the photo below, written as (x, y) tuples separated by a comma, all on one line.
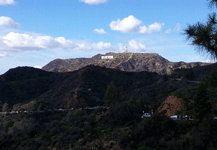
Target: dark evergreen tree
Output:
[(111, 95), (213, 2), (202, 106), (204, 35), (0, 106), (132, 101), (190, 74), (5, 107)]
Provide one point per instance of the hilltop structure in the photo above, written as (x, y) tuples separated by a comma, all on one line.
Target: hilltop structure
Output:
[(106, 57)]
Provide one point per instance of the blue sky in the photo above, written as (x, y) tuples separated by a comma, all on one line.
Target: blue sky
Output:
[(33, 33)]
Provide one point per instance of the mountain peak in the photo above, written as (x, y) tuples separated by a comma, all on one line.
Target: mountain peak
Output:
[(20, 73), (131, 62)]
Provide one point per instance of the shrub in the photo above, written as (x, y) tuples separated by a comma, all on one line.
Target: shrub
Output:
[(121, 115)]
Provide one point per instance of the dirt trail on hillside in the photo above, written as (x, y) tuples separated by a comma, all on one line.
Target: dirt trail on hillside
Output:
[(131, 56)]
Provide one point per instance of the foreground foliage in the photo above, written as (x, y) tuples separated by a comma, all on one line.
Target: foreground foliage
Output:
[(120, 125), (204, 35), (101, 129)]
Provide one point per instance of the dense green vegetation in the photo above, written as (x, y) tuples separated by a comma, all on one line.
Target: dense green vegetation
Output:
[(87, 87), (118, 127), (23, 84)]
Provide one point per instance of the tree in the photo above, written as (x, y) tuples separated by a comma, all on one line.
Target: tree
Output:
[(204, 35), (121, 114), (111, 95), (5, 107), (0, 106), (144, 104), (202, 106), (189, 74), (213, 2), (132, 101)]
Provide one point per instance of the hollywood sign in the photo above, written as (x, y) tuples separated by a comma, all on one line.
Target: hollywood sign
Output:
[(106, 57)]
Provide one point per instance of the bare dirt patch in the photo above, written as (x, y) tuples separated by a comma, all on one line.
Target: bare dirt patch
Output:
[(171, 105)]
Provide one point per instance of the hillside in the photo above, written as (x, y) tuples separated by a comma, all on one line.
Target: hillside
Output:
[(88, 85), (118, 125), (130, 62), (23, 84), (196, 73), (84, 87)]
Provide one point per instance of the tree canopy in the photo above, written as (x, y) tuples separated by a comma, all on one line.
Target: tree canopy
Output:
[(213, 2), (204, 35)]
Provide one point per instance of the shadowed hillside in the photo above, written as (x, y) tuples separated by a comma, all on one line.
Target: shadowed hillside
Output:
[(84, 87), (23, 84), (118, 125), (87, 86)]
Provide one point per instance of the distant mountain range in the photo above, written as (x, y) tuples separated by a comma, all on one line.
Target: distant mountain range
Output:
[(130, 62)]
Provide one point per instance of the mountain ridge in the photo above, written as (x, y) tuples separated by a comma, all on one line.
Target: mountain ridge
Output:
[(87, 86), (130, 62), (80, 88)]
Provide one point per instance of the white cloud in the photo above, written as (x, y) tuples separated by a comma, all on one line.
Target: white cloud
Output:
[(168, 31), (36, 66), (177, 28), (63, 41), (131, 24), (136, 46), (94, 46), (132, 46), (128, 24), (3, 54), (101, 46), (26, 41), (210, 61), (95, 2), (18, 42), (83, 46), (8, 22), (100, 31), (7, 2), (155, 27)]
